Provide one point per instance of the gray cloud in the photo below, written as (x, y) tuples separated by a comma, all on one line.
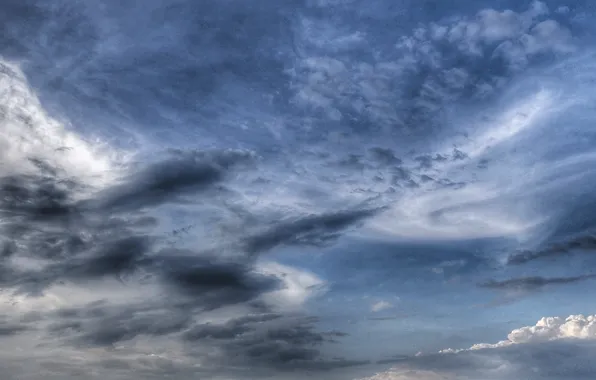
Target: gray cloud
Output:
[(111, 234), (533, 283), (262, 341), (213, 282), (10, 329), (575, 244), (284, 343), (313, 230), (168, 180), (102, 324)]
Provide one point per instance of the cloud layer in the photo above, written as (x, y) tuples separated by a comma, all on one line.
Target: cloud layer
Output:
[(193, 189)]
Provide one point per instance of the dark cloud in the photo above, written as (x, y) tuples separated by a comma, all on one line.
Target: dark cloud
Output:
[(10, 329), (262, 341), (100, 324), (85, 240), (214, 282), (283, 342), (315, 230), (575, 244), (114, 258), (166, 181), (533, 283), (111, 234), (228, 330), (31, 198)]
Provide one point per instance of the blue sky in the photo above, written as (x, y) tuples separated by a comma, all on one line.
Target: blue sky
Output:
[(338, 189)]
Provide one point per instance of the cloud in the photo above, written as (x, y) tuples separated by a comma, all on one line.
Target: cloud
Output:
[(532, 283), (78, 220), (10, 329), (546, 329), (76, 216), (314, 230), (62, 237), (281, 342), (210, 281), (409, 86), (60, 230), (298, 286), (32, 141), (583, 243), (261, 341), (101, 325), (90, 76), (167, 180), (380, 306), (555, 348)]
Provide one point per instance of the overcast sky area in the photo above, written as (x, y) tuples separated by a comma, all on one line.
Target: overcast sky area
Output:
[(297, 189)]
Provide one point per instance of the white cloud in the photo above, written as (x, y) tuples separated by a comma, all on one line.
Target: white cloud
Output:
[(380, 306), (554, 348), (27, 131), (546, 329), (298, 286)]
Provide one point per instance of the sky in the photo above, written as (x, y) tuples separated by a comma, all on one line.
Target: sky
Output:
[(297, 189)]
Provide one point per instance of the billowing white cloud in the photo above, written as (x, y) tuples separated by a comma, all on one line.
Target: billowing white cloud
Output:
[(546, 329), (554, 348)]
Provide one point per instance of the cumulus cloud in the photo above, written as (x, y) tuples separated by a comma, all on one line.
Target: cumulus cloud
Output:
[(554, 348), (546, 329)]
